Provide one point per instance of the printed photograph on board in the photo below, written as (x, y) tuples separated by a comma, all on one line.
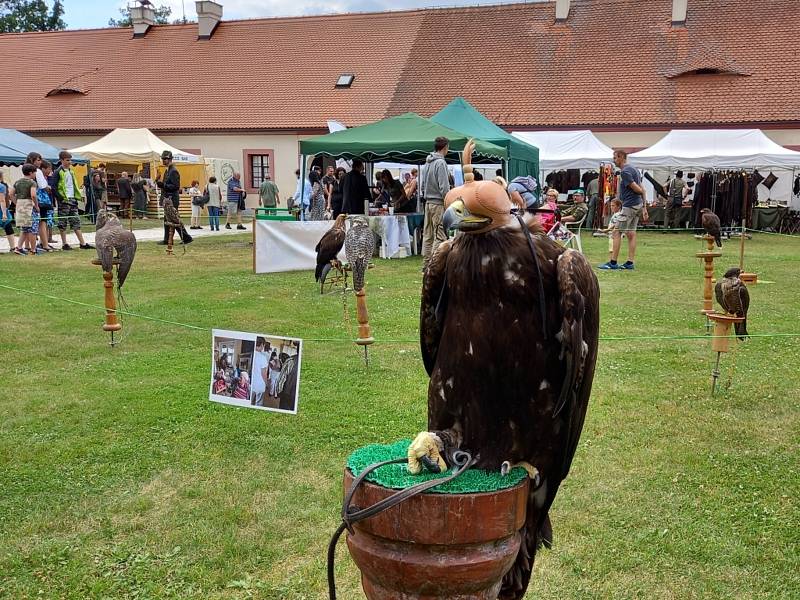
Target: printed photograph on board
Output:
[(255, 370)]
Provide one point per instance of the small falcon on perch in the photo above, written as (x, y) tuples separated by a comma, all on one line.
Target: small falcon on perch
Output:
[(112, 238), (329, 247), (733, 297), (711, 224), (359, 245)]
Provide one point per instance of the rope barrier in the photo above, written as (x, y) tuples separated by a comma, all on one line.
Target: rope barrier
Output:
[(602, 338)]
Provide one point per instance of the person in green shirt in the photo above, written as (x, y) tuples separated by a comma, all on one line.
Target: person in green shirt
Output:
[(577, 211), (268, 194)]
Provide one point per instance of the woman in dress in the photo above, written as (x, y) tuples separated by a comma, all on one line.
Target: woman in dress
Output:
[(317, 197), (139, 187), (274, 373)]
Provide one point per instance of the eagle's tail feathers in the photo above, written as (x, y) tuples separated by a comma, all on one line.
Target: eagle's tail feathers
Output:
[(718, 239), (741, 329)]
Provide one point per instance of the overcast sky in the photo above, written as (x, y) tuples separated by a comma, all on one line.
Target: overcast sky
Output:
[(82, 14)]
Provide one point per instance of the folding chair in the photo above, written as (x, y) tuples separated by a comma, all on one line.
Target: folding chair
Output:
[(575, 229)]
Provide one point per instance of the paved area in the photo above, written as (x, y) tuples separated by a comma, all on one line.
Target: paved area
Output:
[(142, 235)]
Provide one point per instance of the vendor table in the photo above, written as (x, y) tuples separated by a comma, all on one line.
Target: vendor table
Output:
[(289, 245), (767, 217), (656, 215)]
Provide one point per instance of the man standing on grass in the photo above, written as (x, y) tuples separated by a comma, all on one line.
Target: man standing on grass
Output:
[(268, 194), (632, 195), (234, 196), (67, 194), (170, 186), (435, 188)]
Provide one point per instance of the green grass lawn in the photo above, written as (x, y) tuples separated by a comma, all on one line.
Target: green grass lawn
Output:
[(119, 479)]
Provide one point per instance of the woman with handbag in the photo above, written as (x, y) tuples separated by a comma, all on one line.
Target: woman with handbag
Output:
[(197, 204)]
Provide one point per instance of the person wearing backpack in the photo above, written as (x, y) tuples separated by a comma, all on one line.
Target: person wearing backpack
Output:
[(524, 192), (672, 210)]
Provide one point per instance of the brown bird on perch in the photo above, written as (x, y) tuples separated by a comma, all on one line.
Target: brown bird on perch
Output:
[(711, 224), (733, 297), (329, 247), (112, 238), (509, 329)]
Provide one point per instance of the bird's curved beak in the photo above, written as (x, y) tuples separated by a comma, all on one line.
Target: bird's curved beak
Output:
[(458, 217)]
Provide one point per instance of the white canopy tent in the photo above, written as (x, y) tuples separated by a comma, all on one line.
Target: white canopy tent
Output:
[(567, 149), (715, 148), (725, 149), (133, 146)]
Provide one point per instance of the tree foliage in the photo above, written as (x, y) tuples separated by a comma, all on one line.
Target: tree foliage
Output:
[(31, 15), (162, 14)]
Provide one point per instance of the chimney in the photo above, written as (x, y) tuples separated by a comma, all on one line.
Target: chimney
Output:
[(679, 12), (562, 10), (142, 18), (209, 14)]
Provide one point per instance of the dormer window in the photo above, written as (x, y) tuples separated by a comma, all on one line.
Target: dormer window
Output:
[(345, 80), (65, 90)]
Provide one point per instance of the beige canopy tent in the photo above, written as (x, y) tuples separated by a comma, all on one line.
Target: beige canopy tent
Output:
[(133, 146)]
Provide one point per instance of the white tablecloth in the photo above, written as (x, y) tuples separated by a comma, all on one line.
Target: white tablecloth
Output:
[(393, 233), (289, 245)]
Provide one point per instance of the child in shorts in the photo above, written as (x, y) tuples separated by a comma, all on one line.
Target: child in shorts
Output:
[(613, 224), (25, 191), (45, 200)]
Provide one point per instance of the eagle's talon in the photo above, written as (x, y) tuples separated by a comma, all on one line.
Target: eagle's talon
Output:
[(426, 451), (533, 472)]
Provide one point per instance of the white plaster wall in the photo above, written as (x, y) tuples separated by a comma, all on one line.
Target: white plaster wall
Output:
[(284, 146)]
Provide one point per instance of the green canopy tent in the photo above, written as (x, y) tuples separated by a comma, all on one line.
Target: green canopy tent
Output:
[(407, 139), (523, 159)]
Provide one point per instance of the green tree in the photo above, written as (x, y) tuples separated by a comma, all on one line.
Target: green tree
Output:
[(162, 17), (30, 15)]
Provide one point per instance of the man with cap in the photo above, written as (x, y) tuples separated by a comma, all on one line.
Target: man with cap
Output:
[(170, 185), (578, 210)]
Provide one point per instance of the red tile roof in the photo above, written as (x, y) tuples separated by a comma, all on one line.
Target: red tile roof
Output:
[(614, 63)]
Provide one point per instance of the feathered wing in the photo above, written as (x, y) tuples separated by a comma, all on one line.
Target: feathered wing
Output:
[(433, 305), (126, 250), (739, 299), (328, 248), (580, 318), (719, 292)]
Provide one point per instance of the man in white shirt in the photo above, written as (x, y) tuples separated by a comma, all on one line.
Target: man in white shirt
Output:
[(258, 384)]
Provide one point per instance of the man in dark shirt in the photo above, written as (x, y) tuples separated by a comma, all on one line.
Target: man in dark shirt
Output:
[(355, 190), (170, 186), (631, 194), (125, 193)]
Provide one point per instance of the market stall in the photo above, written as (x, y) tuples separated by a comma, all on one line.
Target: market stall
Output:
[(133, 150), (523, 156), (572, 159), (738, 172)]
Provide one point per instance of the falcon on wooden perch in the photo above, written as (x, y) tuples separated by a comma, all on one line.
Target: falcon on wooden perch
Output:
[(111, 238), (733, 297), (359, 244), (173, 219), (509, 326), (328, 247), (711, 224)]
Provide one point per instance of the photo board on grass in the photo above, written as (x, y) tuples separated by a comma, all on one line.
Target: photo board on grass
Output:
[(255, 370)]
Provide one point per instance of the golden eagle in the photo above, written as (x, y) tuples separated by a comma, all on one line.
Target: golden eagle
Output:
[(509, 330), (733, 297), (329, 247), (711, 224)]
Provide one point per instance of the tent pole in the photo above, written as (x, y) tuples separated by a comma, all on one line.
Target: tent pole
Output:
[(302, 185)]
